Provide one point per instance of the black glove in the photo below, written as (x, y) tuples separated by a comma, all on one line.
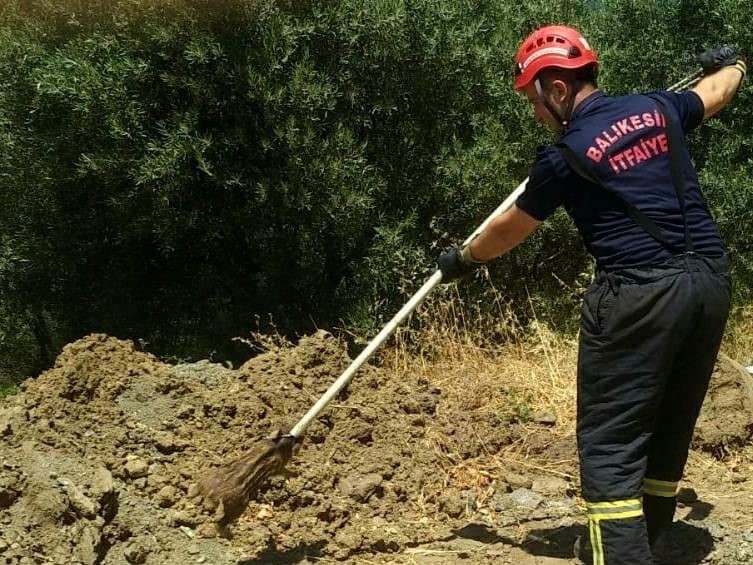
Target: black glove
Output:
[(714, 59), (455, 263)]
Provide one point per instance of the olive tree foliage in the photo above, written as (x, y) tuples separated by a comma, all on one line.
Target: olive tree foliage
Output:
[(173, 171)]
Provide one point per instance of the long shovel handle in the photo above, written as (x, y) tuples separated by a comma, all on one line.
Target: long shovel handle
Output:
[(687, 82), (347, 375), (405, 311)]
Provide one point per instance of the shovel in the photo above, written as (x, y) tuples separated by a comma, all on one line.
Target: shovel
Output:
[(229, 489)]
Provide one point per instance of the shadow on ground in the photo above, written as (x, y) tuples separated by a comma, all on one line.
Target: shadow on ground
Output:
[(688, 544), (299, 554)]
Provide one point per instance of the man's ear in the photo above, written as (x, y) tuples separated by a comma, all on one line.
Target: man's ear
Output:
[(560, 90)]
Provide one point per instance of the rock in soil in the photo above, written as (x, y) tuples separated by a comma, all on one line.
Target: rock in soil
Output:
[(550, 486), (360, 487), (525, 498)]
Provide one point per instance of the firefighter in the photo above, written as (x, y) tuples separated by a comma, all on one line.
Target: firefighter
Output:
[(653, 318)]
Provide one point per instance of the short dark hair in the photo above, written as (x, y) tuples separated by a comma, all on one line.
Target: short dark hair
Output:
[(578, 77)]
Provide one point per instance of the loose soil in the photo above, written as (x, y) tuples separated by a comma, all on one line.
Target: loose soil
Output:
[(98, 456)]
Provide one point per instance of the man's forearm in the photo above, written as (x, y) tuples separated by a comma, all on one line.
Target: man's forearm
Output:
[(505, 232), (718, 89)]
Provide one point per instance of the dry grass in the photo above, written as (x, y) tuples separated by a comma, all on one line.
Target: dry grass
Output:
[(496, 370), (469, 353), (494, 367), (738, 339)]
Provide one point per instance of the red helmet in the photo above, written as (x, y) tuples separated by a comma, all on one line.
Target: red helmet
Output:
[(552, 46)]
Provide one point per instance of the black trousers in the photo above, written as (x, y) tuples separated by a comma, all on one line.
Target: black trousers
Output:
[(649, 339)]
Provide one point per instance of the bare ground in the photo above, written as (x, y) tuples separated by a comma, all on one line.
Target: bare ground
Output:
[(98, 454)]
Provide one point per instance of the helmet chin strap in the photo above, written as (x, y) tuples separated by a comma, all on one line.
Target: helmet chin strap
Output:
[(563, 120)]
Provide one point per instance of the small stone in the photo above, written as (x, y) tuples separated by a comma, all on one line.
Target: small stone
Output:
[(501, 503), (687, 496), (348, 539), (136, 468), (135, 553), (86, 546), (193, 550), (181, 518), (501, 487), (717, 531), (10, 420), (43, 425), (518, 481), (7, 497), (208, 530), (360, 487), (156, 469), (81, 504), (549, 486), (167, 443), (265, 513), (546, 420), (51, 504), (102, 483), (167, 496), (156, 480), (525, 498), (452, 505)]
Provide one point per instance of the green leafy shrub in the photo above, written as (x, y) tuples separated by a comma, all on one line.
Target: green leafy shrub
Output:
[(171, 170)]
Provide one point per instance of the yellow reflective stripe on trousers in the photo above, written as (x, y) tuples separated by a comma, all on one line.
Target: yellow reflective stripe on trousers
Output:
[(596, 547), (616, 510), (616, 507), (665, 489)]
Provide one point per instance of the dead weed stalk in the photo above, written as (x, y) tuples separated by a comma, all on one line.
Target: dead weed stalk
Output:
[(486, 362)]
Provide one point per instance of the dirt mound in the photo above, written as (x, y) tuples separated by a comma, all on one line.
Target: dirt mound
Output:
[(726, 420), (98, 454)]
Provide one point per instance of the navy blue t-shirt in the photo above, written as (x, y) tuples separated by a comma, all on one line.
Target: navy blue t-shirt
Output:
[(623, 141)]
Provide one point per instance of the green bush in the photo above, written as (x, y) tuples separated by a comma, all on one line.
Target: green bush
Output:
[(173, 171)]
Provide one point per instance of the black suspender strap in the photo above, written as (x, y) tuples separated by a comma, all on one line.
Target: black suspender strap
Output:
[(674, 140), (674, 137), (580, 168)]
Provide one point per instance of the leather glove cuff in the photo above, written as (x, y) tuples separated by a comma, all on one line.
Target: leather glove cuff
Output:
[(467, 257), (742, 67)]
